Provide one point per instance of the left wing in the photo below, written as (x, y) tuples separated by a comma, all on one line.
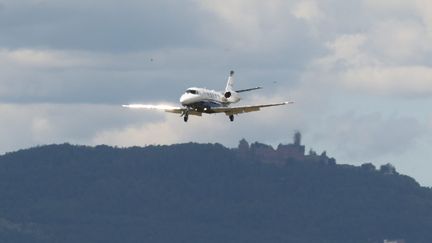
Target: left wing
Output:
[(245, 109), (166, 108)]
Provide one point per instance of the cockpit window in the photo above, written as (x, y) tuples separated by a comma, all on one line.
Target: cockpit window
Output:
[(191, 91)]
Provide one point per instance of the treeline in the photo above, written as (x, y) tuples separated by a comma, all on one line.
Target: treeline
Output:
[(202, 193)]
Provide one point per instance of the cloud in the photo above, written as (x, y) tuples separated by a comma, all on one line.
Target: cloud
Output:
[(390, 59), (24, 125), (65, 76), (254, 26), (27, 125), (109, 26), (400, 41), (307, 10), (46, 59), (345, 52), (67, 66), (367, 137), (55, 76), (411, 82), (81, 52), (141, 135), (214, 128)]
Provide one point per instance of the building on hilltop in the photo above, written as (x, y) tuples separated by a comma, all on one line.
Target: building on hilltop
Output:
[(243, 146), (297, 138), (284, 152), (292, 151), (388, 169)]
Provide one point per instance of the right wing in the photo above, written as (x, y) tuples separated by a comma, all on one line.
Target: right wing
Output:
[(166, 108), (245, 109)]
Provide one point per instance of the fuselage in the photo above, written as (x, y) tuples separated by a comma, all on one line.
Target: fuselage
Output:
[(204, 99)]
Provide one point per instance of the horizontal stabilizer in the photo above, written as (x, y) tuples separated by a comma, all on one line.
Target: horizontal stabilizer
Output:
[(246, 90)]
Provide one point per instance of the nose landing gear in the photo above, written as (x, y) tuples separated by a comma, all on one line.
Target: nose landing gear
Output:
[(231, 117), (185, 115)]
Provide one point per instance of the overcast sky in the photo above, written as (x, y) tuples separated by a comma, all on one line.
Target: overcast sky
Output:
[(360, 73)]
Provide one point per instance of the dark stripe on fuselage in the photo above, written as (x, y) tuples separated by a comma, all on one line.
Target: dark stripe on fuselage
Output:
[(206, 106)]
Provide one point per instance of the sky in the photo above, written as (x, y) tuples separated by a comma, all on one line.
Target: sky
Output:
[(359, 71)]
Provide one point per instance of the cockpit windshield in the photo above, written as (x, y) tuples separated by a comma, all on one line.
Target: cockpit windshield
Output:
[(191, 91)]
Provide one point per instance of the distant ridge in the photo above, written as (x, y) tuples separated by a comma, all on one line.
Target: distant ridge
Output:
[(205, 193)]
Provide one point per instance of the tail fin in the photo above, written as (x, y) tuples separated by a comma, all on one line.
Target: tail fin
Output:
[(230, 82)]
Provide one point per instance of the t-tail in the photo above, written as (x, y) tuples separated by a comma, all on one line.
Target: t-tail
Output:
[(232, 95), (230, 83)]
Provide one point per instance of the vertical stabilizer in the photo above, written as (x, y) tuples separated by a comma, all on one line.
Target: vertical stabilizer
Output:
[(230, 82)]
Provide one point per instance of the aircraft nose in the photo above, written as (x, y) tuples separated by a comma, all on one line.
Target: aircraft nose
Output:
[(183, 99)]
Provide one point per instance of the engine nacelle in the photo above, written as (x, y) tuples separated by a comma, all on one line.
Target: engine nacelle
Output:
[(227, 94)]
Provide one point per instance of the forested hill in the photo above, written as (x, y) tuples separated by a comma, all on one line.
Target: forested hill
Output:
[(204, 193)]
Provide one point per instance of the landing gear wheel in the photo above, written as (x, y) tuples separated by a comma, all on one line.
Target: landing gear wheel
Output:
[(185, 118), (231, 117)]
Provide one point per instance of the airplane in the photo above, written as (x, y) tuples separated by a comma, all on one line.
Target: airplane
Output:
[(196, 101)]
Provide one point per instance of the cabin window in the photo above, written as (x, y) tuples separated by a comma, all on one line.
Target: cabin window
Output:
[(191, 91)]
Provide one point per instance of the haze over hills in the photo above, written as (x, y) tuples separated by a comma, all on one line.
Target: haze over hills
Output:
[(205, 193)]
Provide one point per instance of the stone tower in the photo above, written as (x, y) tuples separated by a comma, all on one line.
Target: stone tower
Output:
[(297, 138)]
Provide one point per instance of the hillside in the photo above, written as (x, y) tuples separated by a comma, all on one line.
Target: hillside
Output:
[(204, 193)]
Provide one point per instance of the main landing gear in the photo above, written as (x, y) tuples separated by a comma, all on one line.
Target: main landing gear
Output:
[(231, 117), (185, 117)]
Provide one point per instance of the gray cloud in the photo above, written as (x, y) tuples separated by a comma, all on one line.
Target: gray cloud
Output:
[(29, 125), (66, 66), (81, 53), (70, 77), (100, 26), (369, 136)]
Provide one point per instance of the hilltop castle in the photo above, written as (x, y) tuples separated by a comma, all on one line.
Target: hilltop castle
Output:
[(283, 153)]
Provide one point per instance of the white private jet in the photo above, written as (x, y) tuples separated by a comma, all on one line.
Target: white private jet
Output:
[(196, 101)]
